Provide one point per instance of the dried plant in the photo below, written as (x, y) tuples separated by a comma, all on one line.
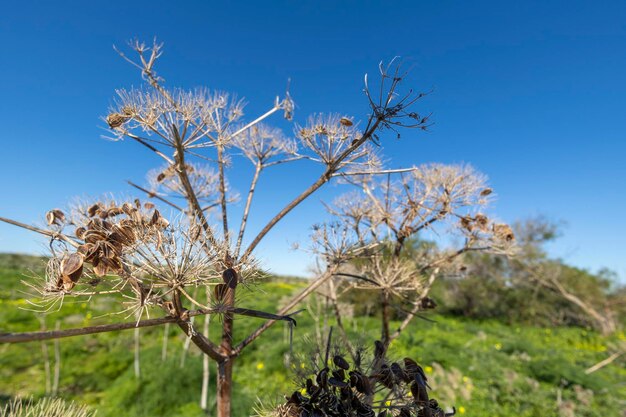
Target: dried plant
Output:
[(45, 407), (446, 201), (131, 249), (329, 385)]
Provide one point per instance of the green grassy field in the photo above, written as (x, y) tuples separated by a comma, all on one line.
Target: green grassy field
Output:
[(482, 368)]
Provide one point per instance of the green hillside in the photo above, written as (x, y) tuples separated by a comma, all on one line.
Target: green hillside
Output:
[(483, 368)]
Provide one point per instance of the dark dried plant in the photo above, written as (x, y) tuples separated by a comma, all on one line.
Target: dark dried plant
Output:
[(132, 249), (368, 386)]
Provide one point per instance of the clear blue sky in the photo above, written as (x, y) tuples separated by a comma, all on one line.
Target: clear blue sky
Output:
[(531, 93)]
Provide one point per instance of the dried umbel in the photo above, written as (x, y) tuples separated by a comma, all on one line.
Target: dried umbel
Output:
[(342, 389), (503, 232), (115, 120), (166, 182), (55, 217), (104, 234)]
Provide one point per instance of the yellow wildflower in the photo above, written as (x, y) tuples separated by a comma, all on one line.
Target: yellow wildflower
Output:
[(461, 410), (260, 366)]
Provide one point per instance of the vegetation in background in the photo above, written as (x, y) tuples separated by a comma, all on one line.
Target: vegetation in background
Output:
[(482, 367)]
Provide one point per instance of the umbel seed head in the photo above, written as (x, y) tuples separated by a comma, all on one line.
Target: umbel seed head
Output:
[(115, 120)]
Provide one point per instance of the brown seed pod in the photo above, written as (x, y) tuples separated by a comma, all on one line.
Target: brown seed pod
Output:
[(416, 372), (123, 233), (339, 374), (162, 223), (88, 250), (95, 223), (385, 376), (115, 120), (428, 303), (155, 218), (399, 372), (71, 268), (128, 111), (99, 267), (113, 264), (55, 216), (503, 232), (220, 292), (80, 232), (322, 378), (169, 307), (419, 392), (466, 223), (93, 209), (115, 211), (230, 277), (296, 398), (340, 362), (486, 192), (482, 221), (93, 236), (335, 382), (345, 121), (128, 208), (67, 283)]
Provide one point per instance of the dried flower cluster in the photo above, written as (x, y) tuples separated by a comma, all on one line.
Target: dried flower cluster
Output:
[(103, 234), (388, 220), (342, 389)]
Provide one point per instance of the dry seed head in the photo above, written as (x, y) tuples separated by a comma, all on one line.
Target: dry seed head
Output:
[(55, 216), (482, 221), (345, 121), (129, 111), (503, 232), (466, 223), (115, 120), (486, 192), (93, 209)]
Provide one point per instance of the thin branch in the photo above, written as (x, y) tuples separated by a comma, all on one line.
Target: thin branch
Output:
[(147, 145), (154, 195), (222, 189), (54, 235), (190, 193), (246, 211), (257, 120), (57, 334), (379, 172)]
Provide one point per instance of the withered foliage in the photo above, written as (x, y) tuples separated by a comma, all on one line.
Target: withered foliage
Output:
[(337, 387)]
